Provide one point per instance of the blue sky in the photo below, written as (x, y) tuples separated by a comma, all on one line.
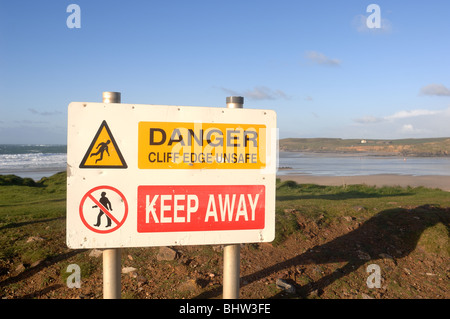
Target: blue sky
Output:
[(316, 63)]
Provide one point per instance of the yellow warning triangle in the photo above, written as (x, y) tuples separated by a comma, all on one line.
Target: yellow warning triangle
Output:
[(103, 151)]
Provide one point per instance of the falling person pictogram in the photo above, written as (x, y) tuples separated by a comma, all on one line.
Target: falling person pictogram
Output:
[(107, 205), (102, 147), (103, 142)]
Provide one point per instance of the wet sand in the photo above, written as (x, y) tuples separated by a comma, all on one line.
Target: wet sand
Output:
[(431, 181)]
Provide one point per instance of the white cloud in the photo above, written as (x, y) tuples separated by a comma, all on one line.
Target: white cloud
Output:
[(30, 134), (410, 130), (407, 128), (369, 119), (43, 113), (412, 113), (259, 93), (228, 91), (406, 123), (321, 59), (399, 115), (359, 22), (435, 89)]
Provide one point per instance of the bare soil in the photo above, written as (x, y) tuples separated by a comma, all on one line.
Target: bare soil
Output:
[(327, 260)]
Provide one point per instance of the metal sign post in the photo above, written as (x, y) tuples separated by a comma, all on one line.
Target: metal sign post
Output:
[(112, 256), (231, 253), (165, 175)]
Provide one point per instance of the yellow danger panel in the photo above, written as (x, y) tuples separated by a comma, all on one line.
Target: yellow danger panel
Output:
[(171, 145), (103, 151)]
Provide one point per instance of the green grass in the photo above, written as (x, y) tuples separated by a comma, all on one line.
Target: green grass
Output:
[(31, 209), (38, 209), (21, 199), (324, 204), (436, 240), (26, 205), (335, 201)]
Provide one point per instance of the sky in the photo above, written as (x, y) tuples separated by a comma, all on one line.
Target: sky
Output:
[(340, 69)]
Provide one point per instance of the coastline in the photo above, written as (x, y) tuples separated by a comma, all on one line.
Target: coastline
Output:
[(430, 181), (36, 173)]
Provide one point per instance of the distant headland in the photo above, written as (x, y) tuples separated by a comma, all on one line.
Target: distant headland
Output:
[(421, 147)]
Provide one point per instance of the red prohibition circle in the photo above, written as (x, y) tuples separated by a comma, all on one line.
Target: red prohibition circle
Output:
[(89, 194)]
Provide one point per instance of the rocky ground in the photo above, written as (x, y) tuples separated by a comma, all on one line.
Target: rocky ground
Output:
[(331, 260)]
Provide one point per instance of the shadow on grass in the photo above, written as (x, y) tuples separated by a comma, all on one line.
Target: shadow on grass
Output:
[(393, 232), (45, 263), (20, 224), (42, 292), (307, 191), (339, 196)]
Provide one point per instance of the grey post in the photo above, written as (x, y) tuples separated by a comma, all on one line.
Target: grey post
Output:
[(231, 253), (111, 256)]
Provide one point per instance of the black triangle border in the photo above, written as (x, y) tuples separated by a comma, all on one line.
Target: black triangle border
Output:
[(86, 156)]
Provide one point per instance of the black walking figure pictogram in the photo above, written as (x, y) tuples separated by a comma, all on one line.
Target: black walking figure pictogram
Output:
[(102, 147), (106, 204)]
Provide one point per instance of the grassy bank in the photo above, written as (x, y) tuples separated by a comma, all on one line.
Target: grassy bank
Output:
[(31, 209), (400, 147), (325, 236), (325, 204)]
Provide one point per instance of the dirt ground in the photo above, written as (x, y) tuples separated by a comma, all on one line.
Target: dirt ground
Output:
[(332, 260)]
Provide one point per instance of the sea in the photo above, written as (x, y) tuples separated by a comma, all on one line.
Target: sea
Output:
[(37, 161), (326, 164), (30, 160)]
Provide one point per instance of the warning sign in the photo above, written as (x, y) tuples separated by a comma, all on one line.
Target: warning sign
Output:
[(103, 151), (200, 208), (186, 175), (103, 209), (165, 145)]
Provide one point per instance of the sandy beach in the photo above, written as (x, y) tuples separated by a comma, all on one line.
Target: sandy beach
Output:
[(431, 181)]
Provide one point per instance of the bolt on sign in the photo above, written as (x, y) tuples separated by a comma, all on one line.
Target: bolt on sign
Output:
[(158, 175)]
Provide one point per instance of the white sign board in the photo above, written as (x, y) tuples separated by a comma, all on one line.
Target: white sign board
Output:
[(158, 175)]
